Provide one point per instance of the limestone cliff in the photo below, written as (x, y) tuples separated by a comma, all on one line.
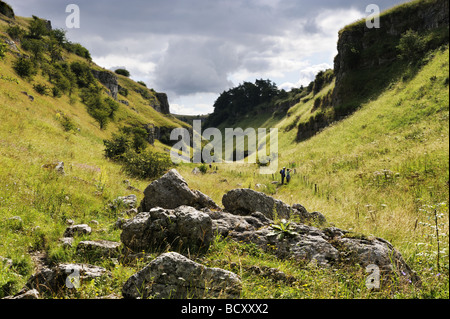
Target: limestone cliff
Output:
[(363, 48)]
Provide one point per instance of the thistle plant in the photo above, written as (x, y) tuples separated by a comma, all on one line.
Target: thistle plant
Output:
[(434, 215), (282, 230)]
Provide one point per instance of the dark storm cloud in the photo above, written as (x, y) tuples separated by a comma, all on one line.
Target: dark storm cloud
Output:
[(193, 45)]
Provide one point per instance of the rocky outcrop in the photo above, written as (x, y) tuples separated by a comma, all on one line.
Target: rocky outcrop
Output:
[(6, 10), (307, 244), (162, 106), (172, 191), (182, 229), (172, 275), (109, 80), (358, 46)]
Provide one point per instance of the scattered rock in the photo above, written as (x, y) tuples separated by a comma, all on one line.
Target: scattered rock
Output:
[(101, 248), (172, 191), (172, 275), (57, 167), (72, 231), (25, 295), (129, 201), (30, 97), (180, 229), (66, 242), (57, 278)]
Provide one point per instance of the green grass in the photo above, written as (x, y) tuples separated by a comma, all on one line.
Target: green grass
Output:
[(370, 173)]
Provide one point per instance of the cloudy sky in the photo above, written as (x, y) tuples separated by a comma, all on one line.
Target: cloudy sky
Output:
[(195, 49)]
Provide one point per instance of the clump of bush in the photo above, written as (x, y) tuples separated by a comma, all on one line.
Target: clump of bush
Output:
[(123, 72), (3, 48), (411, 46), (147, 164), (24, 67), (130, 148), (100, 108), (42, 89)]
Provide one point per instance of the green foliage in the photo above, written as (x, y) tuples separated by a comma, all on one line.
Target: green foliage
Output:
[(117, 146), (232, 104), (6, 10), (24, 67), (123, 72), (83, 74), (283, 229), (3, 50), (66, 122), (129, 138), (323, 78), (411, 46), (60, 36), (203, 168), (42, 89), (147, 164), (36, 46), (123, 91), (142, 83), (37, 28), (15, 32), (79, 50), (100, 108)]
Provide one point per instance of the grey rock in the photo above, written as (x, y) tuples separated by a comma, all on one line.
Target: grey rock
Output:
[(172, 275), (101, 248), (57, 167), (247, 201), (55, 279), (162, 106), (109, 80), (179, 229), (66, 242), (172, 191), (306, 216), (25, 295), (128, 201), (72, 231)]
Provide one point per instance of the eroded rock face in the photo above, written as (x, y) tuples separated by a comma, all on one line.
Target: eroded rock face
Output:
[(172, 191), (180, 229), (109, 80), (328, 247), (174, 276)]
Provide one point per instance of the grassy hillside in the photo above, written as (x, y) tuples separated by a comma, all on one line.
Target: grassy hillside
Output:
[(382, 171), (53, 129)]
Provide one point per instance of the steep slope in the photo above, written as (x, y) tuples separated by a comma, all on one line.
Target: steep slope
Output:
[(38, 130), (381, 169)]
